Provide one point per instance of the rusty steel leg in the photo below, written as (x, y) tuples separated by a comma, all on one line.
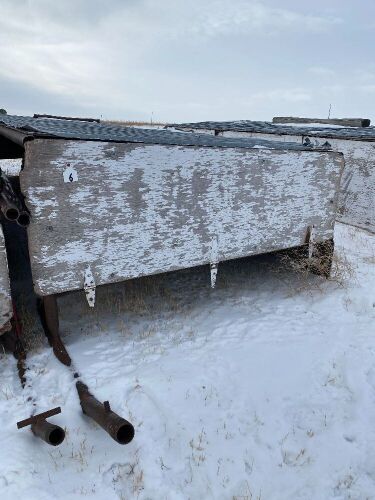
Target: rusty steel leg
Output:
[(51, 319), (20, 355)]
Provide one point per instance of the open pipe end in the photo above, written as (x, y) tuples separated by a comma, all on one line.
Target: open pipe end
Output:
[(125, 433), (56, 436), (23, 219), (11, 214), (50, 433)]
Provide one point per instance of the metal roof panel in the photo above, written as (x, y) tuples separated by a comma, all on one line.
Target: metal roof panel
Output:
[(360, 133), (80, 130)]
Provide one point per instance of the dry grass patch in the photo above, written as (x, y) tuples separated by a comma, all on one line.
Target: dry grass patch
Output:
[(297, 261)]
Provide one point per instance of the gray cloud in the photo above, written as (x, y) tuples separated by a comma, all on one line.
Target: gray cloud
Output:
[(218, 59)]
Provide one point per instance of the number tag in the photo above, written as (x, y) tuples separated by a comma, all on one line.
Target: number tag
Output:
[(70, 175)]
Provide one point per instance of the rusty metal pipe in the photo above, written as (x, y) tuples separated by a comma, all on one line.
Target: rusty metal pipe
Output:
[(10, 203), (50, 433), (117, 427), (49, 314), (9, 210)]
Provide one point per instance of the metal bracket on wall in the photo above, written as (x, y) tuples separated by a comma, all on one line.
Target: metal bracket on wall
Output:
[(89, 287), (311, 241), (213, 268), (214, 260)]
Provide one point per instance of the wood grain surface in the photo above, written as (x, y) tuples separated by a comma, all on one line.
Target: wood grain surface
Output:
[(138, 209), (357, 191)]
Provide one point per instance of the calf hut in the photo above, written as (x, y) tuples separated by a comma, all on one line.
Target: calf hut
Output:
[(357, 197), (112, 203)]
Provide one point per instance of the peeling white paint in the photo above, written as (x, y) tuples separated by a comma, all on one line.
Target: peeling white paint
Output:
[(144, 209), (357, 198)]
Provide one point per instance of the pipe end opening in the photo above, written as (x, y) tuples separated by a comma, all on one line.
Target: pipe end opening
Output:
[(11, 214), (56, 436), (125, 434), (23, 220)]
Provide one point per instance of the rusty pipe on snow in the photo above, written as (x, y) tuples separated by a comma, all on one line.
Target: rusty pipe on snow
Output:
[(50, 433), (117, 427)]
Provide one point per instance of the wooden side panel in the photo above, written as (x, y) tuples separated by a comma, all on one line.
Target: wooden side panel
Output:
[(139, 209), (5, 297), (357, 196)]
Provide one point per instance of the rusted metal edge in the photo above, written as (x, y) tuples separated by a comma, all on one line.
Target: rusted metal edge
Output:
[(40, 416), (49, 315), (19, 351), (51, 434)]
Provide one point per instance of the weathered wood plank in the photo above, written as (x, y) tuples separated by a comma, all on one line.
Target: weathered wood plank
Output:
[(138, 209), (344, 122), (357, 191), (6, 311), (357, 200), (357, 194)]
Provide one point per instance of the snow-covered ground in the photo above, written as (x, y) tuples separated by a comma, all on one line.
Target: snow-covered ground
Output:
[(11, 167), (263, 388)]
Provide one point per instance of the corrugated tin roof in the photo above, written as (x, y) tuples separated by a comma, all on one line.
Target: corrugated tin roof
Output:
[(360, 133), (70, 129)]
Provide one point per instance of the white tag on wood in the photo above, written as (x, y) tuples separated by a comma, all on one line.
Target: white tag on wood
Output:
[(70, 175)]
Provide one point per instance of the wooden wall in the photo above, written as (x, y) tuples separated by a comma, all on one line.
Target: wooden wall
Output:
[(357, 196), (136, 209)]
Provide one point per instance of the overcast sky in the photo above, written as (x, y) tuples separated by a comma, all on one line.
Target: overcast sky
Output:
[(188, 60)]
